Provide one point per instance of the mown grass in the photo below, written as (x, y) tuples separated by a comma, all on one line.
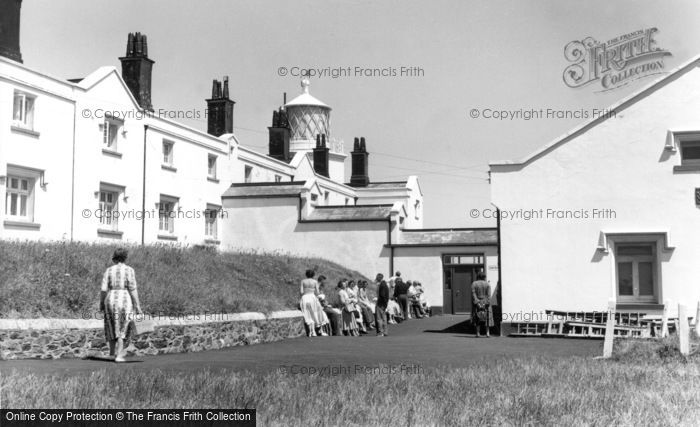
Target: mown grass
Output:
[(521, 391), (63, 279)]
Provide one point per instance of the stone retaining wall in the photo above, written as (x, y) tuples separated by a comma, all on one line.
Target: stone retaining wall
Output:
[(61, 338)]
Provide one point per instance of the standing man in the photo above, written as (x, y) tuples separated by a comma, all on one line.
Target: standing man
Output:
[(380, 308), (401, 296)]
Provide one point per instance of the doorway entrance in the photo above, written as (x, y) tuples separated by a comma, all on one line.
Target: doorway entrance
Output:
[(459, 271)]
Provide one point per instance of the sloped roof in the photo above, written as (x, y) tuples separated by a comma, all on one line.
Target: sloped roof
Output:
[(305, 98), (449, 237), (386, 185), (617, 107), (262, 189), (350, 213)]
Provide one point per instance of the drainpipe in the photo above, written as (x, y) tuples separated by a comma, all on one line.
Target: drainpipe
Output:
[(391, 249), (500, 270), (143, 190), (72, 184)]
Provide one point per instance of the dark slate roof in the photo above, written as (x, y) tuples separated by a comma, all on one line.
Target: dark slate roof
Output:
[(392, 184), (449, 237), (264, 189), (350, 213)]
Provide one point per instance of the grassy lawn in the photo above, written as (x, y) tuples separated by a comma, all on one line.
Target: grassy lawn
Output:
[(663, 389), (63, 279)]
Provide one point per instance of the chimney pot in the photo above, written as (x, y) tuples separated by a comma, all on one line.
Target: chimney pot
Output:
[(10, 18)]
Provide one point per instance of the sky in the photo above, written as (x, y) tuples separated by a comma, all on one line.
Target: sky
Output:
[(483, 55)]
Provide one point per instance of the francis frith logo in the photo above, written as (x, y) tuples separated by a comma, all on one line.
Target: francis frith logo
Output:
[(614, 63)]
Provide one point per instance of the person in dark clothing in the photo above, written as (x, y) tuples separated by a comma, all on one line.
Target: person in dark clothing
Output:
[(482, 314), (401, 295), (380, 307)]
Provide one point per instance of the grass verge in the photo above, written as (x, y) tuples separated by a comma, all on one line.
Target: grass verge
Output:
[(520, 391), (63, 279)]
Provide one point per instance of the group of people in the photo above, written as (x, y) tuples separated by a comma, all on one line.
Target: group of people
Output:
[(354, 313)]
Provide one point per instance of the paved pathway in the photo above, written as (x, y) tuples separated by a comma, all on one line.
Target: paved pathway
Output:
[(436, 341)]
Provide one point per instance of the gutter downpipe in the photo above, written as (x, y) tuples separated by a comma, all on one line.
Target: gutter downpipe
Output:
[(391, 250), (72, 184), (143, 189)]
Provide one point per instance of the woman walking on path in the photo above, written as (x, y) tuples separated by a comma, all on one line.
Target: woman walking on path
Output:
[(118, 300), (311, 308)]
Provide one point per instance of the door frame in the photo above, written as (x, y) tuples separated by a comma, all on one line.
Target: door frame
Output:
[(448, 288)]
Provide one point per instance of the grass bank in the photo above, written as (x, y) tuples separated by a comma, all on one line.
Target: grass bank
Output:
[(63, 279), (521, 391)]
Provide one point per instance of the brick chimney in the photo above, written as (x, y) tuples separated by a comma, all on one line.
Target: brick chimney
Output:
[(137, 68), (219, 109), (279, 136), (321, 156), (360, 163), (9, 29)]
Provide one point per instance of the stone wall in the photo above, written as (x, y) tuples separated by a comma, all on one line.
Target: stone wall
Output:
[(21, 339)]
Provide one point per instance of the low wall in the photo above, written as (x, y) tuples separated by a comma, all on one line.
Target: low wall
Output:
[(64, 338)]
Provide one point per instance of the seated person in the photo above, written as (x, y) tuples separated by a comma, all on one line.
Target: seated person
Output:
[(394, 312), (334, 315), (422, 299), (365, 305)]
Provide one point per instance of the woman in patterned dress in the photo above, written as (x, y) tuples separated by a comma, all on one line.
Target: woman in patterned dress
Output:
[(118, 300)]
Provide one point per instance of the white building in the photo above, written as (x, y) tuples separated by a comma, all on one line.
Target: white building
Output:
[(609, 210), (91, 160)]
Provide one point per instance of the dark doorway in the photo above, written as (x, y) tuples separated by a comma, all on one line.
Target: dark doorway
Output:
[(459, 272)]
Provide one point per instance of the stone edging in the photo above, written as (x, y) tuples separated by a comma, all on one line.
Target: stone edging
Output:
[(52, 324)]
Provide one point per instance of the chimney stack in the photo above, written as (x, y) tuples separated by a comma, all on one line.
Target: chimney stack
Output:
[(137, 69), (321, 157), (279, 136), (9, 29), (360, 164), (220, 109)]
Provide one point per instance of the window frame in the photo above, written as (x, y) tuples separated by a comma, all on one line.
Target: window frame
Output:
[(683, 144), (167, 220), (27, 119), (211, 216), (27, 193), (169, 160), (107, 125), (211, 171), (636, 259)]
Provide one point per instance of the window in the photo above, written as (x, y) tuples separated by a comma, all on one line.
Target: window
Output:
[(326, 196), (168, 152), (278, 178), (347, 201), (23, 110), (166, 214), (211, 216), (211, 166), (690, 153), (248, 177), (110, 133), (417, 209), (108, 208), (464, 259), (636, 272), (19, 200)]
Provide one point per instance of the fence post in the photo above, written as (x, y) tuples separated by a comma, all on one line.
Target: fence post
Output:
[(683, 330), (609, 330), (664, 319)]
